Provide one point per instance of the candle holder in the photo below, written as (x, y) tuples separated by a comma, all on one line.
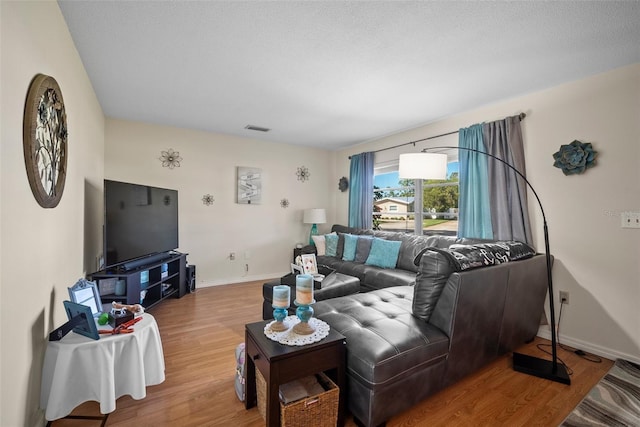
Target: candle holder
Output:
[(304, 313), (279, 313), (280, 305)]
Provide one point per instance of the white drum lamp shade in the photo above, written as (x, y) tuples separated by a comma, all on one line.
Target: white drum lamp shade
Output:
[(314, 216), (422, 166)]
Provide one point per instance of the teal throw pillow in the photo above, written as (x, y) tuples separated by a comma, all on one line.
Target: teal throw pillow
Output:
[(331, 244), (384, 253), (350, 243)]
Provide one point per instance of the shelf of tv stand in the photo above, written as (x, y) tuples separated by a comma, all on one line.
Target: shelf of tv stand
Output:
[(176, 279)]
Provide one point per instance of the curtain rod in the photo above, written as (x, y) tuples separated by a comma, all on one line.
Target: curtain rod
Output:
[(521, 116)]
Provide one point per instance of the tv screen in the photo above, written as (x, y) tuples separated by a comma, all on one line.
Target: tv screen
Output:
[(139, 221)]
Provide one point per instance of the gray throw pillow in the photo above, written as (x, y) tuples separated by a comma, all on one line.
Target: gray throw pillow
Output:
[(362, 248)]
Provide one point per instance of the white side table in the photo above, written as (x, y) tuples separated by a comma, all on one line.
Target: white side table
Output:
[(78, 369)]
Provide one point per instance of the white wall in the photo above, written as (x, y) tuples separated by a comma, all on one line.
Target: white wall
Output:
[(43, 251), (262, 236), (596, 261)]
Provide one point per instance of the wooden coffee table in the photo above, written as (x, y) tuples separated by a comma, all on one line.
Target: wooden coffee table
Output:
[(280, 364)]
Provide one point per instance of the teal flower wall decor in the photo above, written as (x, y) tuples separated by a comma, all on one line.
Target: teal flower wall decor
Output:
[(575, 158)]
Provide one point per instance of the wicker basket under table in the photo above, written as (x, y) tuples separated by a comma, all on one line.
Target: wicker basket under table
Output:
[(320, 410)]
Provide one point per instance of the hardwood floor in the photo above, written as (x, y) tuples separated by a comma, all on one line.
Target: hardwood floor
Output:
[(201, 330)]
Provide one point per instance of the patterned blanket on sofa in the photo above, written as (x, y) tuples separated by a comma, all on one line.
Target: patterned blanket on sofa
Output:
[(465, 257)]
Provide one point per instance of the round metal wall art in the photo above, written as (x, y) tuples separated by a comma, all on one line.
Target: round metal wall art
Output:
[(208, 199), (170, 159), (45, 140), (343, 184), (303, 173), (575, 158), (284, 203)]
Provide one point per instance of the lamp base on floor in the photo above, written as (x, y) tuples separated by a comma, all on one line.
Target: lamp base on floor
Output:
[(540, 368)]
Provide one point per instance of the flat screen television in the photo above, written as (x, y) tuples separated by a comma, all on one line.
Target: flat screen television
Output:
[(139, 221)]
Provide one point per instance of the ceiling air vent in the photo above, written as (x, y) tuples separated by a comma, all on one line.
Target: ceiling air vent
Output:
[(257, 128)]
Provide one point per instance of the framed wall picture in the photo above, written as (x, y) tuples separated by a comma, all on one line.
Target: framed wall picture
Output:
[(309, 264), (249, 185)]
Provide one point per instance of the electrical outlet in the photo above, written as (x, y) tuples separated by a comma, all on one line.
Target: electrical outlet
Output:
[(564, 297), (232, 256), (630, 219)]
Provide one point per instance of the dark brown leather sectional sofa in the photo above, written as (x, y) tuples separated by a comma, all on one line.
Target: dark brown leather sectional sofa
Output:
[(407, 342)]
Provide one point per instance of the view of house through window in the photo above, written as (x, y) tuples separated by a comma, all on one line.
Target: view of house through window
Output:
[(394, 203)]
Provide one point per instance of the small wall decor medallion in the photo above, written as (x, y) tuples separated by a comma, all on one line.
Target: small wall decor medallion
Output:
[(208, 199), (284, 203), (343, 184), (44, 142), (170, 159), (575, 158), (303, 173)]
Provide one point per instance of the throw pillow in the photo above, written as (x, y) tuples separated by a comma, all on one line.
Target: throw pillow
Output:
[(433, 273), (383, 253), (320, 244), (340, 248), (349, 252), (331, 244), (363, 248)]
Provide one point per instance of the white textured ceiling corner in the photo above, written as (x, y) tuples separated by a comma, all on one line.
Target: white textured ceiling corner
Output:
[(331, 74)]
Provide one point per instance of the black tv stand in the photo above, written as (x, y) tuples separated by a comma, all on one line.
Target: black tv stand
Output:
[(137, 263), (147, 281)]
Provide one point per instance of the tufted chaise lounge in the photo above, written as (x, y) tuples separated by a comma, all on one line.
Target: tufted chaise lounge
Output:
[(405, 343)]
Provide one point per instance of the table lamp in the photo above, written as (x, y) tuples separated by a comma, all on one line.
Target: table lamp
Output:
[(314, 217)]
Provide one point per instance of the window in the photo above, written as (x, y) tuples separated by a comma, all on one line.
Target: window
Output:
[(439, 199)]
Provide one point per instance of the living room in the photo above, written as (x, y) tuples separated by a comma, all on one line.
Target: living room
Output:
[(44, 251)]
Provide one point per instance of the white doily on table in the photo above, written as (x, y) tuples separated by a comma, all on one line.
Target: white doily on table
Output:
[(289, 337)]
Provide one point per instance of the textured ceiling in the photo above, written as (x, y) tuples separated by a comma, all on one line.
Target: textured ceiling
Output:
[(334, 74)]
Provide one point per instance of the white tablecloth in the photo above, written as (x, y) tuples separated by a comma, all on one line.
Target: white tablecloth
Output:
[(78, 369)]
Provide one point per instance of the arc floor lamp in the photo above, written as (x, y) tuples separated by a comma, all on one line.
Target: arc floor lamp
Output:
[(427, 165)]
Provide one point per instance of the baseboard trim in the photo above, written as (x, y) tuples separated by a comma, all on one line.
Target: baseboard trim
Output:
[(241, 279), (545, 332)]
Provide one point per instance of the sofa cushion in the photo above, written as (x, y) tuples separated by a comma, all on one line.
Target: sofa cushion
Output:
[(385, 341), (379, 278), (363, 248), (383, 253), (331, 244), (349, 251), (319, 243), (435, 269)]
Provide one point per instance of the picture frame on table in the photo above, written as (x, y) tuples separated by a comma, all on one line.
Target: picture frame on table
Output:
[(86, 293), (309, 264), (87, 326), (296, 269)]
